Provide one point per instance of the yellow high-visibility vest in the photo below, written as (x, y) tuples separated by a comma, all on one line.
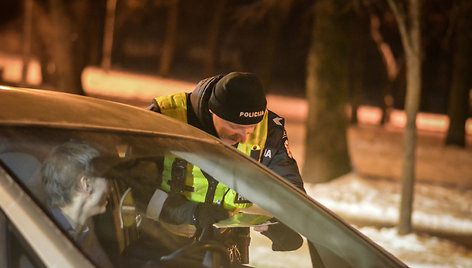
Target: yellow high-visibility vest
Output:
[(175, 106)]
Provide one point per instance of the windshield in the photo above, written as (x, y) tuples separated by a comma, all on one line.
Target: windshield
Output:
[(122, 226), (134, 167)]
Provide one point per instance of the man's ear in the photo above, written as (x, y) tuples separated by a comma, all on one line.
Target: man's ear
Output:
[(85, 185)]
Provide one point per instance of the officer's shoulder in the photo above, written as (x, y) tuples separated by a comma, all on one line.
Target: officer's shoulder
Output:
[(275, 119), (169, 101)]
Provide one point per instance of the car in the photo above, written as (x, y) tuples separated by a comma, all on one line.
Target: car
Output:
[(33, 122)]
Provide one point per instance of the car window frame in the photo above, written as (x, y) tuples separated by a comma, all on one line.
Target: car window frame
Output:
[(38, 230)]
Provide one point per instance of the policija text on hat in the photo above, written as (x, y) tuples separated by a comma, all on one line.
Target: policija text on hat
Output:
[(232, 107)]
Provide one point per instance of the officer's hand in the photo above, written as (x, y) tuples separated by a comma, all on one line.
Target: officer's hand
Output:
[(262, 228), (283, 238), (207, 214)]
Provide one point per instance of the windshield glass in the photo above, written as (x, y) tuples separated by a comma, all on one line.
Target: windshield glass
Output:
[(118, 176)]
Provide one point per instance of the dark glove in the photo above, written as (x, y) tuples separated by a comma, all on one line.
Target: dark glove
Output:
[(283, 238), (207, 214)]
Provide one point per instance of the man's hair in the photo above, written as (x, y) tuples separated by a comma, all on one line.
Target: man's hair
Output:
[(63, 169)]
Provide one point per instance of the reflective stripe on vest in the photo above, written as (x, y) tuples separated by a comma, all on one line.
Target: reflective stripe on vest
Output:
[(176, 106)]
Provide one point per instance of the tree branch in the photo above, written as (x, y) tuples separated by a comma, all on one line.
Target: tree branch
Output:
[(415, 29), (400, 16)]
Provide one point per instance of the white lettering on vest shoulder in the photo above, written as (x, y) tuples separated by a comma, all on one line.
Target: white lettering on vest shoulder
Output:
[(251, 114), (278, 120), (268, 153)]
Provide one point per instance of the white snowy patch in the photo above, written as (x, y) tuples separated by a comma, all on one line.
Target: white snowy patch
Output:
[(436, 208)]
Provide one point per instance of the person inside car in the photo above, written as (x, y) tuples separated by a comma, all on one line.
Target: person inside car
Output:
[(75, 194), (232, 107)]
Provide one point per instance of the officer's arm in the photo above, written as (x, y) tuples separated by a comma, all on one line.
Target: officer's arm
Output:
[(156, 204), (284, 164), (171, 208), (175, 209)]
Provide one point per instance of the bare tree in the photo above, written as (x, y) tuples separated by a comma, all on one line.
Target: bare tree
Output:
[(170, 38), (108, 35), (357, 34), (213, 37), (277, 15), (275, 12), (408, 16), (42, 47), (326, 155), (27, 33), (66, 35), (390, 62), (63, 48), (458, 109)]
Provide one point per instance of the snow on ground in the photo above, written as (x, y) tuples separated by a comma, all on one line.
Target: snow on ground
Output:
[(262, 256), (436, 208), (447, 211), (373, 203), (420, 250)]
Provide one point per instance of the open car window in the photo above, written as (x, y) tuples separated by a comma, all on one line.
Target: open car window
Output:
[(125, 236)]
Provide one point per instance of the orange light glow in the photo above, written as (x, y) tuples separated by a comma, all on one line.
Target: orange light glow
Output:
[(96, 81)]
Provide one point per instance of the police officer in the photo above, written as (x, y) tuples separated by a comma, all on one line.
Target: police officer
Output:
[(232, 107)]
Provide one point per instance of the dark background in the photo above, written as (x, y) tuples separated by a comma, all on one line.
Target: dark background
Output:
[(140, 29)]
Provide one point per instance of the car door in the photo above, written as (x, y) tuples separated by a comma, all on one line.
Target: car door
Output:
[(28, 238)]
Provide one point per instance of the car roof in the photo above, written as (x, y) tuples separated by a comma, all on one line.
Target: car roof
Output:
[(32, 107)]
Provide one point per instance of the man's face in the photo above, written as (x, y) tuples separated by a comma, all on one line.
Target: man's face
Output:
[(98, 198), (231, 133)]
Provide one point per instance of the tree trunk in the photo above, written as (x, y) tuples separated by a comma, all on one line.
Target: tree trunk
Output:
[(391, 66), (108, 34), (43, 45), (27, 32), (63, 52), (326, 155), (458, 110), (170, 38), (411, 40), (358, 34), (213, 37), (409, 146), (277, 16)]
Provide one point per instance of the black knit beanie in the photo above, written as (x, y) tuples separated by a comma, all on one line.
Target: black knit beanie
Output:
[(239, 98)]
